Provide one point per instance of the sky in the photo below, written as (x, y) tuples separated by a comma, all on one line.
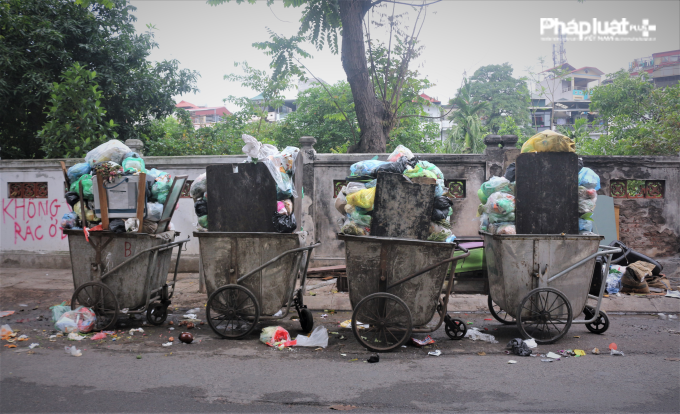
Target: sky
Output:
[(459, 37)]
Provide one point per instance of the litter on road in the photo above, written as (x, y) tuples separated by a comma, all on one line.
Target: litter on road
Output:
[(435, 353)]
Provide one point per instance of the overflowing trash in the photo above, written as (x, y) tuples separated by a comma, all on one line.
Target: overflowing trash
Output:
[(77, 321), (549, 141), (356, 200)]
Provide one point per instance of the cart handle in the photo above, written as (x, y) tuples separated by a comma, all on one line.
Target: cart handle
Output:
[(427, 269), (162, 246), (607, 250), (300, 249)]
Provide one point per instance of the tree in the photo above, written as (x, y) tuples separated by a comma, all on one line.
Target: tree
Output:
[(467, 134), (507, 96), (547, 83), (320, 23), (579, 133), (43, 38), (75, 121), (639, 119), (509, 127)]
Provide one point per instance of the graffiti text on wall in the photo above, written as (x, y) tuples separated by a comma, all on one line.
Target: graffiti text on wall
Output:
[(33, 219)]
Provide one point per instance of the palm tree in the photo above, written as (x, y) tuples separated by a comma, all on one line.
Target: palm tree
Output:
[(466, 135)]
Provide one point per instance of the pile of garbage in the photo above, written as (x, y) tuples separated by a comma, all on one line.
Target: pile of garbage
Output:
[(356, 200), (113, 160), (281, 165)]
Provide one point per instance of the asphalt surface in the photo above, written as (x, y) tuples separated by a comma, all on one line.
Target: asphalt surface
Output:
[(136, 374)]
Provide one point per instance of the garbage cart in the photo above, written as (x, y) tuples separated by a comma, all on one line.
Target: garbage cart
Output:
[(395, 287), (123, 273), (542, 281), (250, 277)]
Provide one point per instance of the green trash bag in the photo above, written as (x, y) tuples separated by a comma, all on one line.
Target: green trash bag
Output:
[(160, 190), (203, 221), (87, 186), (134, 163)]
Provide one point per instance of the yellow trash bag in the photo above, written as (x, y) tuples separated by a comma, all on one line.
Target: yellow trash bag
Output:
[(363, 198), (549, 141)]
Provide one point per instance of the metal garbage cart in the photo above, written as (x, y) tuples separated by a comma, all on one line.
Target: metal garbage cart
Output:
[(250, 277), (542, 281), (116, 273), (395, 287)]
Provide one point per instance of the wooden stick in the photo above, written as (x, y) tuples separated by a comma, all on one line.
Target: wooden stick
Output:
[(141, 192), (67, 183), (103, 202)]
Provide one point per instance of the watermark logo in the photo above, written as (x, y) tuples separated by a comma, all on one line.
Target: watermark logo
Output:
[(596, 30)]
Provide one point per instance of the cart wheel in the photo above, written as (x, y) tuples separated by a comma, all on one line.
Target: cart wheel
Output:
[(389, 322), (232, 311), (544, 315), (101, 299), (600, 325), (306, 320), (499, 314), (454, 328), (157, 313)]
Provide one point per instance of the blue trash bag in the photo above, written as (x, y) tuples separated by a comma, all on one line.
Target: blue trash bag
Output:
[(366, 167), (69, 221), (77, 171), (588, 179)]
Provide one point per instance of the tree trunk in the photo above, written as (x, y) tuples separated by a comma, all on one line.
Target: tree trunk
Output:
[(369, 109)]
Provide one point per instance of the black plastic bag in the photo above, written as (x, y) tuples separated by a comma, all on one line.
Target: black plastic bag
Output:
[(117, 225), (519, 347), (284, 223), (510, 172), (397, 167), (438, 215), (72, 198), (201, 208), (442, 203)]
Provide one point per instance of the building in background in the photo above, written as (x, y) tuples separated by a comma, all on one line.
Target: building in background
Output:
[(663, 67), (204, 115)]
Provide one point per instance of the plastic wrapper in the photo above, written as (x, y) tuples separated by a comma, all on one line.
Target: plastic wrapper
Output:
[(72, 198), (285, 160), (160, 190), (341, 201), (136, 164), (76, 171), (80, 320), (286, 189), (428, 166), (112, 150), (69, 221), (363, 198), (588, 179), (154, 212), (396, 167), (549, 141), (284, 223), (132, 225), (317, 339), (117, 226), (353, 187), (366, 167), (276, 336), (86, 179), (400, 151), (201, 208), (614, 279), (198, 187), (419, 171), (500, 203)]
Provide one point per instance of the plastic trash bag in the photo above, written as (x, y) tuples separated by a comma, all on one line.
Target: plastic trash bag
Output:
[(585, 224), (318, 338), (353, 187), (76, 171), (201, 208), (476, 335), (442, 203), (69, 221), (614, 279), (288, 157), (363, 198), (154, 212), (134, 163), (440, 235), (352, 228), (284, 223), (496, 184), (72, 198), (585, 193), (89, 214), (112, 150), (154, 173), (549, 141), (428, 166), (276, 336), (500, 203), (439, 190), (341, 201), (160, 190), (203, 221), (419, 171), (586, 206), (588, 179), (255, 149), (117, 225), (366, 167), (396, 167), (510, 172), (363, 220), (400, 151), (285, 189), (198, 187), (484, 222), (500, 218), (132, 225), (372, 183), (80, 320), (58, 310), (519, 347), (86, 179)]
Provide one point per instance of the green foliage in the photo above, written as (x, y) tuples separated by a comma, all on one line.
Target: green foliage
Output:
[(638, 119), (509, 127), (100, 36), (579, 133), (467, 135), (75, 121), (507, 96)]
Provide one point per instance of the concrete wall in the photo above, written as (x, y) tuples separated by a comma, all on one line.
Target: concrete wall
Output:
[(30, 235)]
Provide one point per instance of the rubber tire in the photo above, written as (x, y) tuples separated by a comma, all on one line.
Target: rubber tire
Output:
[(588, 311), (388, 296), (570, 316), (256, 317), (451, 331), (490, 303), (306, 320), (114, 318), (162, 312)]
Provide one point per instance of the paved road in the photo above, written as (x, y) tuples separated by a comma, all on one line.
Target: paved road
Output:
[(247, 376)]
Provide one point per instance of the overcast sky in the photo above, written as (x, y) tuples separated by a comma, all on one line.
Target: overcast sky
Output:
[(459, 36)]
